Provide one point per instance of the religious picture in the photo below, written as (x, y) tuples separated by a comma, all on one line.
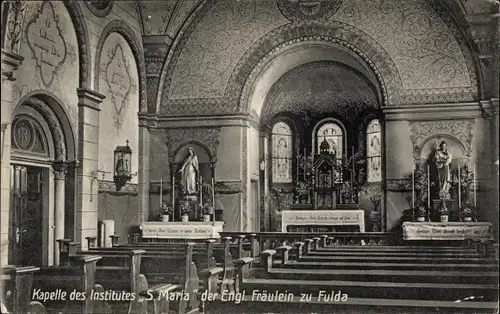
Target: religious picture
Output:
[(189, 172), (122, 165), (442, 159)]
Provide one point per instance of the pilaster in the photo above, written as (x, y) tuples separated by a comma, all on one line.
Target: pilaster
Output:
[(155, 48), (10, 63), (143, 172), (88, 148), (60, 168)]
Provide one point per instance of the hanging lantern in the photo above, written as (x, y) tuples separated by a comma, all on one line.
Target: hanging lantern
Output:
[(123, 166)]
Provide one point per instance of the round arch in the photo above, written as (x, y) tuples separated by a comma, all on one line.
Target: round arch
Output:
[(61, 130), (322, 122), (119, 27), (184, 146)]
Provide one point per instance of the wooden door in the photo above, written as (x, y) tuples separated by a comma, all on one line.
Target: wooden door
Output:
[(27, 204)]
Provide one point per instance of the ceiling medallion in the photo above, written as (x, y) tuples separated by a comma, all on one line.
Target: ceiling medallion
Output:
[(100, 8), (299, 10)]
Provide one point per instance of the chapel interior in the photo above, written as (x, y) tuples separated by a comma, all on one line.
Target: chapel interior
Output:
[(176, 121)]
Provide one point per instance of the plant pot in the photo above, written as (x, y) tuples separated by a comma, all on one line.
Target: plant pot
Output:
[(444, 218), (185, 218), (206, 217), (421, 219), (467, 218), (302, 201), (165, 218)]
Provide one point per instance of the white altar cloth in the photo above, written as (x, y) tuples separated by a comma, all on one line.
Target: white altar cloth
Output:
[(447, 231), (323, 218), (181, 230)]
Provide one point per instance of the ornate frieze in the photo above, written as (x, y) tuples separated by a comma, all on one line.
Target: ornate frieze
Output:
[(459, 129), (299, 10), (14, 26), (221, 187), (398, 185), (209, 137)]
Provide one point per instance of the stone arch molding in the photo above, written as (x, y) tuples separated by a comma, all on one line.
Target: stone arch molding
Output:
[(424, 131), (119, 27), (273, 44), (54, 114)]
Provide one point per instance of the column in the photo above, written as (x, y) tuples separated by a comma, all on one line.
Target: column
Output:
[(10, 63), (143, 171), (265, 137), (88, 149), (60, 168)]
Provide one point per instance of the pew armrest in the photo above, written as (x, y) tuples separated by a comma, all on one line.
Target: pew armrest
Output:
[(240, 262), (210, 278), (211, 272), (285, 251), (267, 253)]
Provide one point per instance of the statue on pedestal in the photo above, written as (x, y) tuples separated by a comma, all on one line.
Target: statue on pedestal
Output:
[(442, 160), (189, 172)]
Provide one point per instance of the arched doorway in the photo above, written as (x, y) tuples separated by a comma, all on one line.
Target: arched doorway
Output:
[(42, 181)]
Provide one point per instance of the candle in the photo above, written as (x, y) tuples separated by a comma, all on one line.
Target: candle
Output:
[(173, 191), (428, 186), (475, 183), (352, 170), (305, 166), (201, 191), (213, 192), (161, 192), (413, 186), (459, 188)]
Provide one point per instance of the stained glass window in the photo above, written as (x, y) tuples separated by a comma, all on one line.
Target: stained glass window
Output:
[(282, 153), (334, 135), (373, 151)]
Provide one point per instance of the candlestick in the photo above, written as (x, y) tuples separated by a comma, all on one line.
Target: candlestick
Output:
[(413, 186), (352, 170), (428, 186), (305, 164), (161, 192), (201, 191), (459, 188), (173, 193), (475, 183)]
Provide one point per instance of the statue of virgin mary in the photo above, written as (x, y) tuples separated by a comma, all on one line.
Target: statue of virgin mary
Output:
[(189, 172), (442, 159)]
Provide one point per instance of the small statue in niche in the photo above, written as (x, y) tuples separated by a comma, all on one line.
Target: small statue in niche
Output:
[(189, 172), (442, 160)]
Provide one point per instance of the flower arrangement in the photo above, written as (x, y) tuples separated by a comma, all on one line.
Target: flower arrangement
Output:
[(443, 210), (276, 199), (467, 211), (420, 187), (466, 179), (421, 211), (374, 194), (166, 209), (207, 209), (302, 189), (185, 207)]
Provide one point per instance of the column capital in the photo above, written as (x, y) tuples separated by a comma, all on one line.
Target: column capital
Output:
[(10, 63), (60, 169), (89, 98)]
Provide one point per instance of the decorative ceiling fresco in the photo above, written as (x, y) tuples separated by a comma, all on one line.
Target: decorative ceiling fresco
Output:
[(164, 17), (432, 59), (324, 86)]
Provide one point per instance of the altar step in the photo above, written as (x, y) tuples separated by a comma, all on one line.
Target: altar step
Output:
[(459, 254), (374, 248), (391, 259), (381, 290), (404, 276), (386, 266)]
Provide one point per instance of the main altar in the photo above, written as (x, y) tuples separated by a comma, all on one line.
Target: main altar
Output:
[(319, 193)]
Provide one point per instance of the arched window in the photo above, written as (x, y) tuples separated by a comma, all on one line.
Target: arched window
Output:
[(333, 133), (373, 151), (282, 154)]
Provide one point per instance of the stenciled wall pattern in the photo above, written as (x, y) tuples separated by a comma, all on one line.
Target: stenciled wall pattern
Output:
[(50, 51), (220, 39), (418, 37), (118, 81)]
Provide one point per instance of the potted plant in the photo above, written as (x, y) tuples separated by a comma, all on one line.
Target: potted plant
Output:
[(166, 212), (207, 211), (421, 213), (374, 194), (443, 211), (302, 191), (466, 212), (466, 178), (185, 207)]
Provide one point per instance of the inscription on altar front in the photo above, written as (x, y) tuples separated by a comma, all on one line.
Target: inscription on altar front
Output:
[(450, 231), (46, 42)]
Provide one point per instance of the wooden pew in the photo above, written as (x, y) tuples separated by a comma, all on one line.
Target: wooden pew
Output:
[(16, 294), (176, 269), (120, 271), (78, 279)]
